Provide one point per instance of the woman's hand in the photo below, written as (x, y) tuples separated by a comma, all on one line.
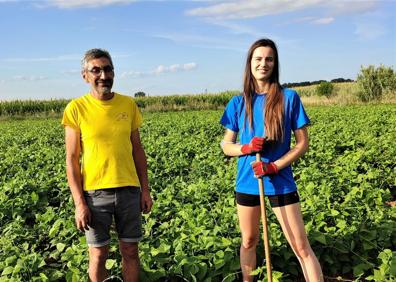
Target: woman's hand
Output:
[(255, 145), (262, 168)]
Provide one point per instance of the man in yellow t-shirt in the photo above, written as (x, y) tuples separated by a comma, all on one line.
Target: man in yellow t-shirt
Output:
[(106, 167)]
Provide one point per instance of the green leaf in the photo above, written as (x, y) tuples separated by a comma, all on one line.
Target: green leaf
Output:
[(378, 276), (220, 254), (360, 269), (163, 249), (34, 197), (10, 260), (226, 242), (75, 277), (334, 212), (277, 276), (110, 263), (367, 246), (392, 268), (43, 277), (7, 270), (54, 229), (257, 271), (321, 238), (17, 269), (385, 255), (352, 245), (218, 263), (60, 247), (56, 275), (203, 268), (342, 224), (25, 246)]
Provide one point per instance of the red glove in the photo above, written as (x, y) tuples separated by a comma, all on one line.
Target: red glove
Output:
[(255, 145), (261, 168)]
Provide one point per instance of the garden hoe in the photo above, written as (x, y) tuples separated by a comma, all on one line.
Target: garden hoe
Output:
[(265, 225)]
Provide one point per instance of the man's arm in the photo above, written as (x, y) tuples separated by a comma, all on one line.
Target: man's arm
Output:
[(140, 160), (73, 171)]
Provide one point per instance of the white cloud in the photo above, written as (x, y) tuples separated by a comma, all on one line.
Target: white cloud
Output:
[(70, 4), (369, 31), (189, 66), (132, 74), (72, 72), (310, 20), (242, 9), (175, 68), (28, 78), (161, 69), (373, 25), (235, 27), (182, 38), (72, 57), (201, 41), (44, 59), (323, 20), (337, 7)]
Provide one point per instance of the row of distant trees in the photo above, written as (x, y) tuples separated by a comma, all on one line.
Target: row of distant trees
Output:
[(308, 83), (140, 94)]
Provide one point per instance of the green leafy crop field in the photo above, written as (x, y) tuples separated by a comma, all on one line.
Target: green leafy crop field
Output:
[(345, 182)]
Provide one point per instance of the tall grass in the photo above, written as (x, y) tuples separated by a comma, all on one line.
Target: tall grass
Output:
[(32, 107), (185, 102), (150, 104), (343, 94)]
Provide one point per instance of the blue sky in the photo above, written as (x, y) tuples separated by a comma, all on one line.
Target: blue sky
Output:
[(186, 47)]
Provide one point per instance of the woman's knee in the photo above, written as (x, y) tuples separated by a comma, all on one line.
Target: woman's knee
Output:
[(249, 242), (302, 249)]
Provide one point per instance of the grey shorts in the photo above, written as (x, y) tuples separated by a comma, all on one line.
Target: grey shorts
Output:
[(121, 203)]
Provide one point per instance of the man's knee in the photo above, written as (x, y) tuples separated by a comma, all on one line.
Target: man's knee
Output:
[(129, 251), (98, 255)]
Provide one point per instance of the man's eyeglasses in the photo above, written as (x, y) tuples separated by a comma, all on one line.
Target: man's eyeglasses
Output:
[(97, 71)]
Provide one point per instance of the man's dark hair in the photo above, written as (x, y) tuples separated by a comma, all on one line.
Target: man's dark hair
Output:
[(95, 54)]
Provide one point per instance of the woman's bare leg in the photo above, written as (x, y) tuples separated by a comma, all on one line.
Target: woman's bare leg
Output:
[(290, 219), (249, 220)]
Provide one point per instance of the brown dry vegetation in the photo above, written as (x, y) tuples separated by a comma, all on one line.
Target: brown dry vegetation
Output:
[(343, 94)]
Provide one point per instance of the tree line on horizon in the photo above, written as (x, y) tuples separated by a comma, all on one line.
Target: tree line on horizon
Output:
[(308, 83)]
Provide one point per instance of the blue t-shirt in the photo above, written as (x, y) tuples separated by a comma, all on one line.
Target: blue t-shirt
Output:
[(294, 117)]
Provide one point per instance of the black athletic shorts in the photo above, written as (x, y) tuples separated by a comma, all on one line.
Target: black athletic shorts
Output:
[(275, 200)]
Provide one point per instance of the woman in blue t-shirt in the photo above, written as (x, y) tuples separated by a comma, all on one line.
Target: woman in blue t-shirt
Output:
[(264, 119)]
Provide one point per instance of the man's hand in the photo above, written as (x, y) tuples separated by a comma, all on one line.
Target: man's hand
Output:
[(255, 145), (83, 217), (146, 202), (261, 168)]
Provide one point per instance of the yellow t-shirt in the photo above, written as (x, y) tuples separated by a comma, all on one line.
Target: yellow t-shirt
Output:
[(105, 128)]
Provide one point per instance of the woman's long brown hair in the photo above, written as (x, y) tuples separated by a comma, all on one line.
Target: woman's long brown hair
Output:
[(274, 108)]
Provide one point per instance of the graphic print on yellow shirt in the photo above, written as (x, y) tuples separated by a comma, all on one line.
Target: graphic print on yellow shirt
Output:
[(105, 128)]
